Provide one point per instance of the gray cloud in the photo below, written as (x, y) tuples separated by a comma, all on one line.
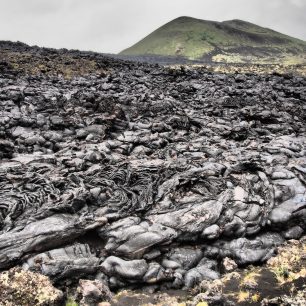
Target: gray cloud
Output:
[(112, 25)]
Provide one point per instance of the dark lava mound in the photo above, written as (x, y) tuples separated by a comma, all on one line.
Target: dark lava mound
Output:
[(167, 171)]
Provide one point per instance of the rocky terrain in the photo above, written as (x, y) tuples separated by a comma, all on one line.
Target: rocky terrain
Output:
[(132, 175)]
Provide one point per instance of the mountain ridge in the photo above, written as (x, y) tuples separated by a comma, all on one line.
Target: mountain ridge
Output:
[(227, 41)]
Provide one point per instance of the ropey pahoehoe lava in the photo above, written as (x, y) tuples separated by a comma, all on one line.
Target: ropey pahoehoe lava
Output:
[(133, 175)]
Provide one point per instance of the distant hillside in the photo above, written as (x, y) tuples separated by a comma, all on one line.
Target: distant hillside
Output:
[(233, 41)]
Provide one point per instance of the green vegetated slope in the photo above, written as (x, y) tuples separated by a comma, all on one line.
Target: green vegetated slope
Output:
[(233, 41)]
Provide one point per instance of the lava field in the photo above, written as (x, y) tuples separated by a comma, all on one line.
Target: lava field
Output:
[(146, 175)]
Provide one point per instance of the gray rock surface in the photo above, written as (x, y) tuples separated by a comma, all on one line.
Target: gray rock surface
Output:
[(65, 263), (154, 171)]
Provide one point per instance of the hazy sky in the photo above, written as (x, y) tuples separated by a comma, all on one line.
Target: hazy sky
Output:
[(113, 25)]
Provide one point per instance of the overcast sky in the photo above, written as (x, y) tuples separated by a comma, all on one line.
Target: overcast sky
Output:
[(112, 25)]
